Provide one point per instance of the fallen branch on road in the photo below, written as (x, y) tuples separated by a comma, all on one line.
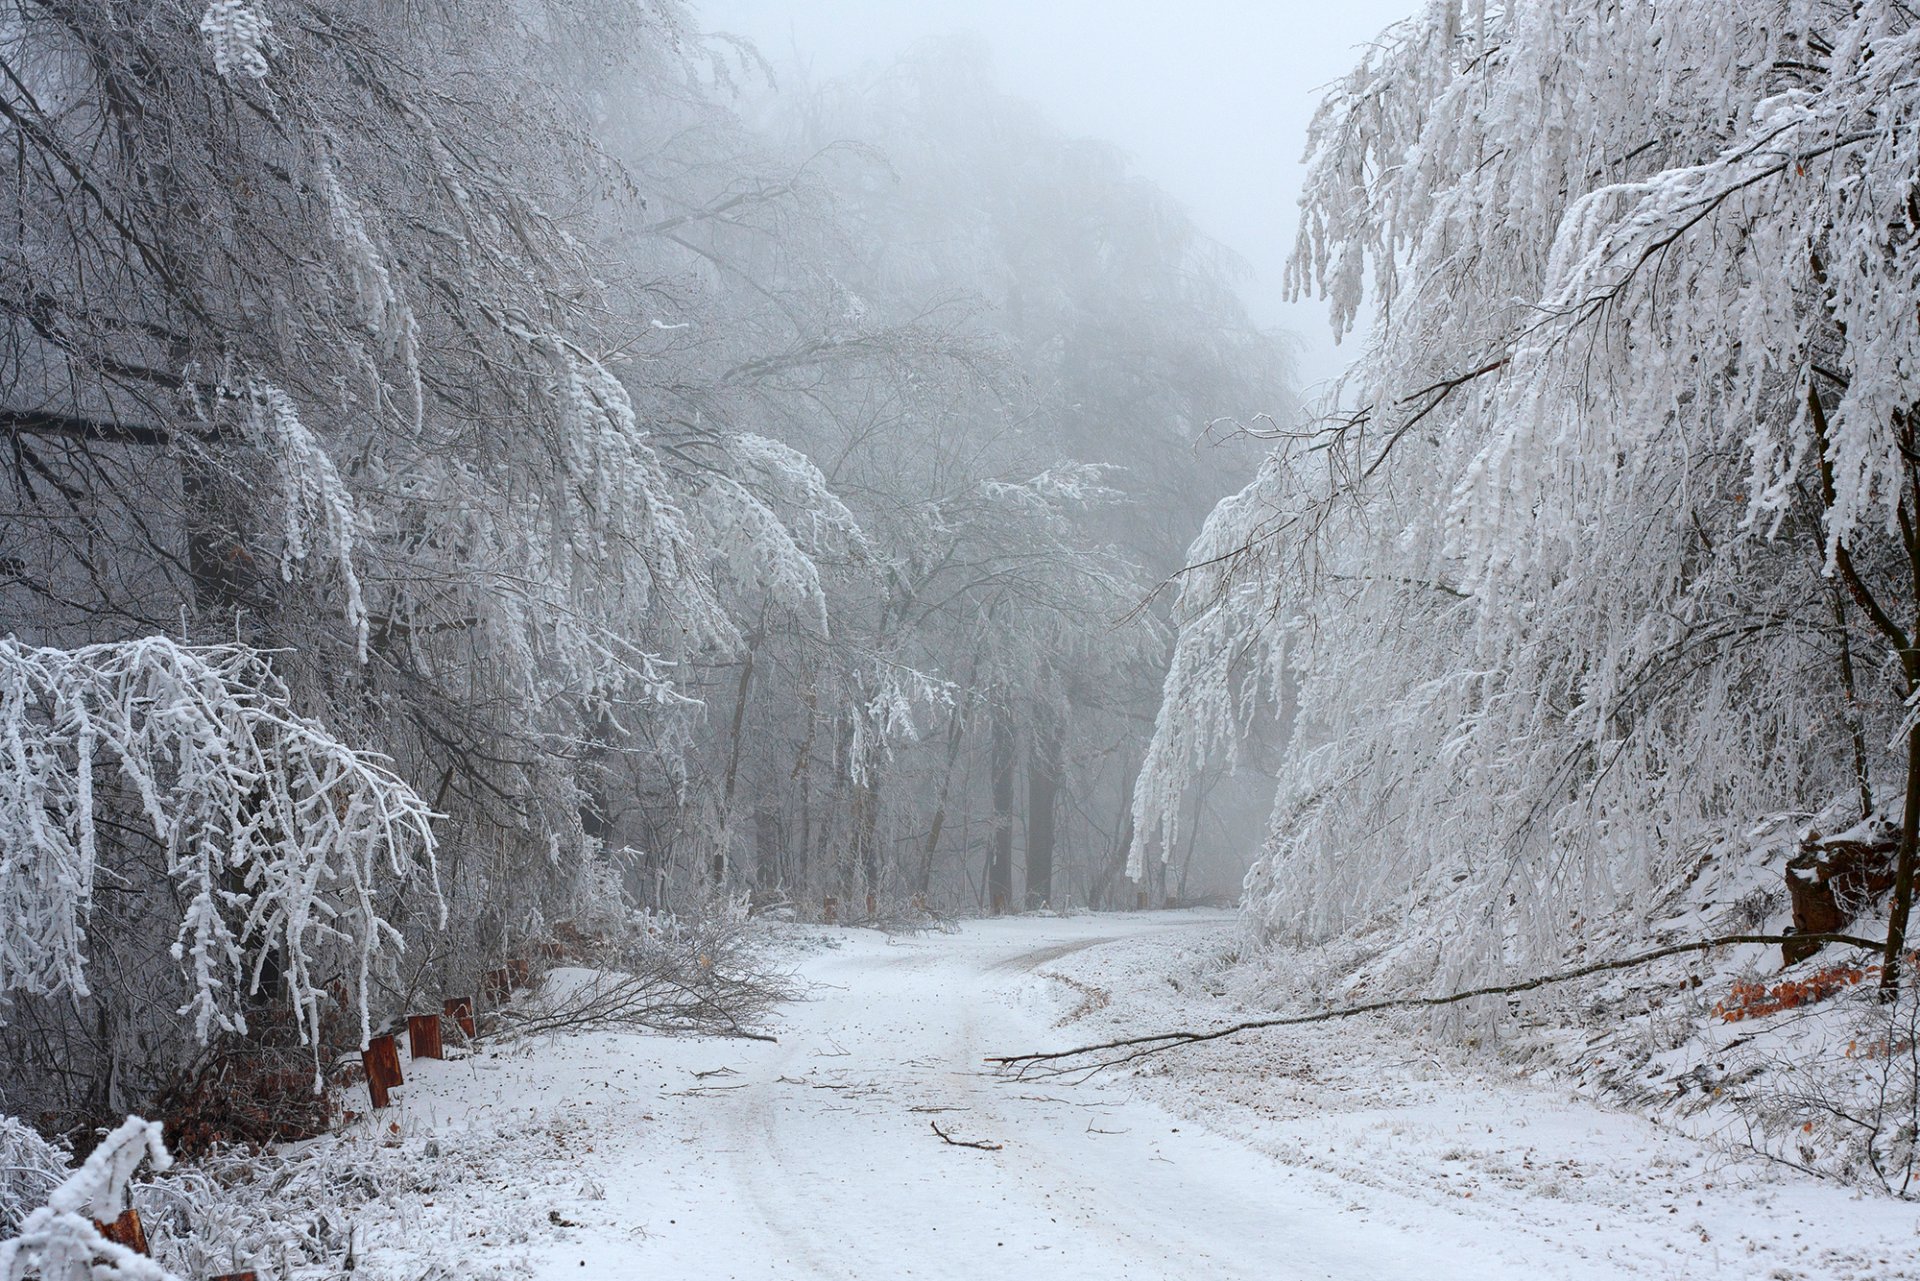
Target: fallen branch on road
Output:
[(1117, 1053), (950, 1141)]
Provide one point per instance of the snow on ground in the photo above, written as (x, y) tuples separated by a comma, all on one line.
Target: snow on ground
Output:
[(1344, 1151)]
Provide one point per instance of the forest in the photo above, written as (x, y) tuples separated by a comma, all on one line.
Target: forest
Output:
[(538, 501)]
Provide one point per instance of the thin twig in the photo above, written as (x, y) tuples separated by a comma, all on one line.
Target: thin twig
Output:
[(948, 1139)]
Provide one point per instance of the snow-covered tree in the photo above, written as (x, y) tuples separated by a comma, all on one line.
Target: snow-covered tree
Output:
[(313, 342), (1606, 545)]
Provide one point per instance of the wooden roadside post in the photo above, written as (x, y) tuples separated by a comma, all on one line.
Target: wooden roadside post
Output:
[(460, 1010), (236, 1276), (423, 1036), (381, 1059), (127, 1230), (873, 906), (516, 973), (832, 909)]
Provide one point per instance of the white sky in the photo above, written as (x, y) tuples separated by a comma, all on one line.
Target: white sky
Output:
[(1211, 98)]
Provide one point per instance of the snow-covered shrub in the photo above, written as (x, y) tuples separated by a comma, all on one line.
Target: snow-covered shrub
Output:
[(30, 1168), (60, 1242), (192, 861), (707, 972), (1836, 1094)]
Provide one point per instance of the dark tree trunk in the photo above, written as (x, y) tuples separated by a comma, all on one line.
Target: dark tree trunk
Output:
[(718, 871), (1043, 796), (866, 834), (766, 847), (1000, 860)]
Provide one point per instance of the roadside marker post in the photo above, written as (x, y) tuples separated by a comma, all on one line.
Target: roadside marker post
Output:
[(381, 1059)]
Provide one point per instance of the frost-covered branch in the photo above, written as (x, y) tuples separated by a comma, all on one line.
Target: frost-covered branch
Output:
[(280, 840)]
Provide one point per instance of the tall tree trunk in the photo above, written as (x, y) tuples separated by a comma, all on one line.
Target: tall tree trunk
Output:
[(1043, 796), (1103, 891), (1000, 859), (1856, 728), (1900, 640), (866, 833), (1903, 875), (1193, 833), (766, 847), (956, 731), (742, 689), (1903, 870), (803, 776)]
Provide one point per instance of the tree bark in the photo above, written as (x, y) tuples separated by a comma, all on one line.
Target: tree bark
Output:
[(1903, 875), (1856, 729)]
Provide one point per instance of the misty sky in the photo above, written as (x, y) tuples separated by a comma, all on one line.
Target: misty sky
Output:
[(1210, 97)]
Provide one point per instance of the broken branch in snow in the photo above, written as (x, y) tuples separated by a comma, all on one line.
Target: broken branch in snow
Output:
[(1116, 1053), (950, 1141)]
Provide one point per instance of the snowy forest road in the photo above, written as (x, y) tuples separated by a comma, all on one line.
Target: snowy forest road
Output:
[(817, 1156)]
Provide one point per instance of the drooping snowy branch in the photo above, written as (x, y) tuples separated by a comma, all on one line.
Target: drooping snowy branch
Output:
[(237, 33), (280, 839)]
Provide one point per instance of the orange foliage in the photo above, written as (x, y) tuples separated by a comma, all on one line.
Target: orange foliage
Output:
[(1755, 1000)]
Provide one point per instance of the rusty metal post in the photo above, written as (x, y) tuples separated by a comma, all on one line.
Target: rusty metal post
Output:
[(127, 1230), (873, 906), (832, 909), (460, 1010), (381, 1059), (423, 1036)]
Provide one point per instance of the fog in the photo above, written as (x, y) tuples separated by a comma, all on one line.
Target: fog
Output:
[(1211, 98), (628, 483)]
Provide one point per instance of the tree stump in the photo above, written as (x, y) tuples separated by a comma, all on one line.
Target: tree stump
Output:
[(381, 1059), (1832, 881), (423, 1036), (127, 1230), (460, 1010)]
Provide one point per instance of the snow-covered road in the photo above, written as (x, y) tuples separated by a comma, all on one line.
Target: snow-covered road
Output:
[(824, 1161), (630, 1156)]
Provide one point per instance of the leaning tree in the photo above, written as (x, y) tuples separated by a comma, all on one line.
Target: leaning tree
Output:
[(1607, 545)]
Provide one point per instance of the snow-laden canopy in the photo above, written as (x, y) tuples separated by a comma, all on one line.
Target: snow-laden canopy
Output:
[(1606, 546)]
